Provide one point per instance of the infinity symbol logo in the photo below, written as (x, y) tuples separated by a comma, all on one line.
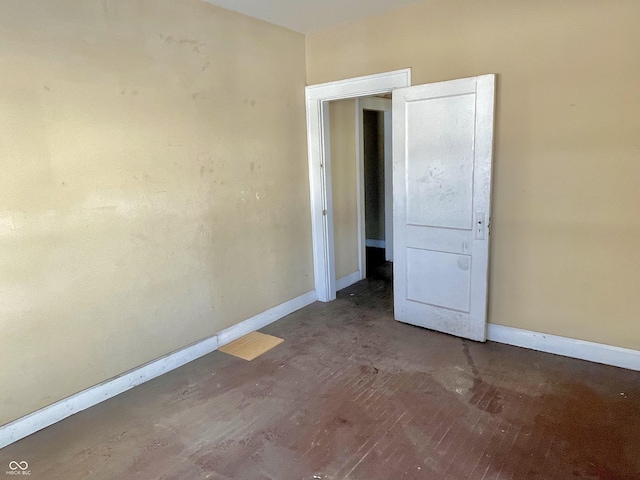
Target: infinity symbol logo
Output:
[(13, 465)]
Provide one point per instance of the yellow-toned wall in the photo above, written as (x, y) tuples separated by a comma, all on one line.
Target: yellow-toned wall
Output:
[(342, 126), (153, 185), (566, 223)]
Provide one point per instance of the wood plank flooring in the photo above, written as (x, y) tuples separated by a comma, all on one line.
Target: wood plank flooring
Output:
[(352, 394)]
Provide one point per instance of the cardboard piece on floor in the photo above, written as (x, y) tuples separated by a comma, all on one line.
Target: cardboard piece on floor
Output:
[(251, 345)]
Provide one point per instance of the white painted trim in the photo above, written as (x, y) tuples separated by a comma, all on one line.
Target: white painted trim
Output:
[(375, 243), (568, 347), (327, 188), (376, 103), (362, 251), (24, 426), (317, 98), (265, 318), (348, 280), (388, 184), (360, 86)]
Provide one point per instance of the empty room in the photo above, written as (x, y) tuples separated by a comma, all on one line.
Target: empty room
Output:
[(293, 239)]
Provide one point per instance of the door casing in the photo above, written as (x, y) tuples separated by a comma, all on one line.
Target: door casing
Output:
[(317, 101)]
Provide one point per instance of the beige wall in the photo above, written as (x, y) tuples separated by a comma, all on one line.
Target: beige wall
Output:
[(154, 185), (342, 118), (566, 229)]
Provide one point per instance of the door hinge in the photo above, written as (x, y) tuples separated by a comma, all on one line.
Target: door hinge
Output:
[(324, 212)]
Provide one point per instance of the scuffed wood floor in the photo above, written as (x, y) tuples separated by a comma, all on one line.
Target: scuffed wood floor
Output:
[(352, 394)]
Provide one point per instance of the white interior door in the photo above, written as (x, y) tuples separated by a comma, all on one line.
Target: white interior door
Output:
[(442, 151)]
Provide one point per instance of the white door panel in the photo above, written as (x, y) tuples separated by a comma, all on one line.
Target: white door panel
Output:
[(446, 139), (438, 278), (442, 140)]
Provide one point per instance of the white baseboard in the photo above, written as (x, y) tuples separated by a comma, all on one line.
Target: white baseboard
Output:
[(568, 347), (265, 318), (24, 426), (369, 242), (347, 281)]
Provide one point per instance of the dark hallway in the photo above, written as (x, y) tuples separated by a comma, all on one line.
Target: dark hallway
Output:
[(377, 267)]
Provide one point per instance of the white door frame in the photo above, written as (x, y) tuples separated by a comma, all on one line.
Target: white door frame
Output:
[(380, 105), (317, 99)]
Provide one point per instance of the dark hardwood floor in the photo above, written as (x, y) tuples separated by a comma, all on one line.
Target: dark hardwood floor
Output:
[(352, 394)]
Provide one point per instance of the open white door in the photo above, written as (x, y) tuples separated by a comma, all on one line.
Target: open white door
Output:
[(442, 151)]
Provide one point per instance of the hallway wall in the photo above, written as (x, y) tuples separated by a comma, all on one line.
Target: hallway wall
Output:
[(342, 118)]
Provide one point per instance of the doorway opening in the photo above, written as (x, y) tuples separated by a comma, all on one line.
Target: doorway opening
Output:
[(361, 176), (373, 142), (443, 134), (374, 113), (318, 98)]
